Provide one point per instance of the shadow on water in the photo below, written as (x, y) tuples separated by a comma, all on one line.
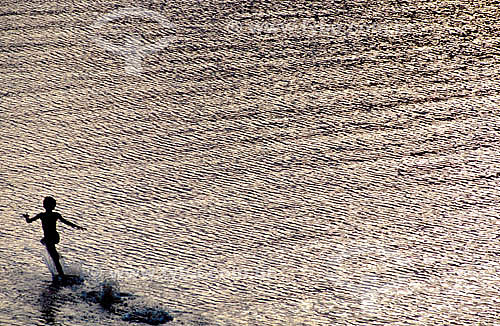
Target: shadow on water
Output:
[(52, 297), (106, 295), (50, 303)]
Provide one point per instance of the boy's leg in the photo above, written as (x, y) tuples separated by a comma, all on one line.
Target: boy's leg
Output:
[(51, 248)]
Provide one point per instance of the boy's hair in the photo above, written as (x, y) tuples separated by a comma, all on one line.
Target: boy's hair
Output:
[(49, 203)]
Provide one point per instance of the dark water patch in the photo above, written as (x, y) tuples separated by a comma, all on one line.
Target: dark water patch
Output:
[(109, 297), (106, 295), (149, 316)]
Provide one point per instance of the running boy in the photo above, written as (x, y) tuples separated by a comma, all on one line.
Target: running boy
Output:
[(50, 235)]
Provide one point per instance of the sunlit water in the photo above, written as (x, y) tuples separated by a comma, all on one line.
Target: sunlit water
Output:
[(275, 163)]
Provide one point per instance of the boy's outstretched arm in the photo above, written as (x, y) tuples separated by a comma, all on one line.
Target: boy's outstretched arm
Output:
[(73, 225), (28, 219)]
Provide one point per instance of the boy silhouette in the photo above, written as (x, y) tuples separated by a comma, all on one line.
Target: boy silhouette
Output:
[(50, 235)]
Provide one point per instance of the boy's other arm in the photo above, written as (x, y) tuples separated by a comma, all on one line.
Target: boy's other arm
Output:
[(73, 225), (29, 220)]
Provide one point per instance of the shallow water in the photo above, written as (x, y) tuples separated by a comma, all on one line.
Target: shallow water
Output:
[(275, 163)]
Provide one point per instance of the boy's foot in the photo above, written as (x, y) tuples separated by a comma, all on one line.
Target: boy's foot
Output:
[(67, 279), (59, 278)]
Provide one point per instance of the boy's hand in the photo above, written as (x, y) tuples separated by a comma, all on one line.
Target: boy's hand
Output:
[(26, 216), (80, 228)]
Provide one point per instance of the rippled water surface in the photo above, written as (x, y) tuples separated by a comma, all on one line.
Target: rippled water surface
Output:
[(271, 163)]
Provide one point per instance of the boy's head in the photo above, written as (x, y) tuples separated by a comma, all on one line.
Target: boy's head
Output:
[(49, 203)]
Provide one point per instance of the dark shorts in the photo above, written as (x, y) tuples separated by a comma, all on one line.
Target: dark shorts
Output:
[(52, 239)]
